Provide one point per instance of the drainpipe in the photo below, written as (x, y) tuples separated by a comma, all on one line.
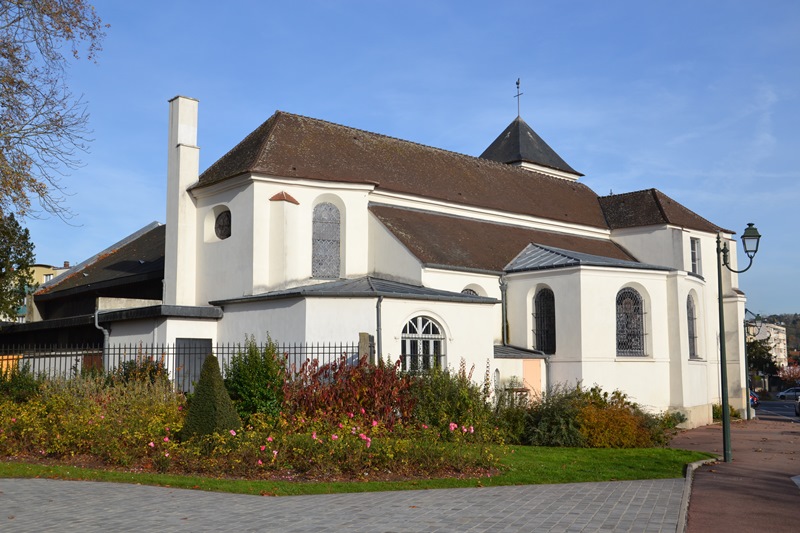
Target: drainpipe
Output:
[(104, 330), (503, 288), (378, 335)]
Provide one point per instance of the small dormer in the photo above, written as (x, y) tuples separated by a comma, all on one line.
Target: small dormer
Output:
[(520, 146)]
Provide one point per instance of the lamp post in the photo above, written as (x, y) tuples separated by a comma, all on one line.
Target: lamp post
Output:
[(750, 240), (752, 329)]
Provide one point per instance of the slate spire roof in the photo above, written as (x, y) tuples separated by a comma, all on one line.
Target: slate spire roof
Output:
[(520, 144)]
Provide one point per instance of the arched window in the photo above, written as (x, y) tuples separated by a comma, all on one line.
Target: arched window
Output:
[(544, 316), (326, 239), (630, 323), (422, 344), (469, 292), (691, 319)]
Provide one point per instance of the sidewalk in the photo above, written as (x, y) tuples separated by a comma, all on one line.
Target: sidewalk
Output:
[(755, 491)]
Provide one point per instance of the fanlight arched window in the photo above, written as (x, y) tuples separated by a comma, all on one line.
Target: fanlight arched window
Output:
[(630, 323), (422, 344), (326, 242), (544, 315), (691, 319)]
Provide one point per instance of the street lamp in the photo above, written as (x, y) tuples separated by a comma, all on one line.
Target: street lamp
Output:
[(752, 329), (750, 240)]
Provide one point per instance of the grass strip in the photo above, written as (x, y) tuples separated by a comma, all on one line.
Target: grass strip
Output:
[(522, 465)]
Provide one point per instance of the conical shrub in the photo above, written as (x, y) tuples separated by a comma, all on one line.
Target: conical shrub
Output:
[(211, 409)]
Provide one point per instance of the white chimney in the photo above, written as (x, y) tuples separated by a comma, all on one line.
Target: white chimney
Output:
[(183, 167)]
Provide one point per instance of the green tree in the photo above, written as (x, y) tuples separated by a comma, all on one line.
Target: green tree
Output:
[(760, 358), (43, 126), (16, 258), (211, 409)]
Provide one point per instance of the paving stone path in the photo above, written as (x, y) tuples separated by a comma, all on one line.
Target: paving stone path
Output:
[(65, 506)]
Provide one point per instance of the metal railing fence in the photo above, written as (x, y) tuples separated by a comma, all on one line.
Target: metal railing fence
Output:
[(182, 360)]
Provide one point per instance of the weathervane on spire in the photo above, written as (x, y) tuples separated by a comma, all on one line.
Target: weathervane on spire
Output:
[(517, 97)]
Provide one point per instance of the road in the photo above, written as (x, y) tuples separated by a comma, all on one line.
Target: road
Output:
[(777, 411)]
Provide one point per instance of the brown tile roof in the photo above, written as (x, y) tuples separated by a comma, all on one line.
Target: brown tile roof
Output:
[(466, 243), (299, 147), (138, 257), (648, 208)]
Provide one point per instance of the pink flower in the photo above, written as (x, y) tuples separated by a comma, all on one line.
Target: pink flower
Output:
[(453, 426), (424, 426), (374, 423), (471, 429), (362, 411), (341, 425), (350, 415), (334, 437), (233, 433), (263, 447), (464, 429), (166, 454), (314, 435), (353, 430), (369, 442), (180, 408), (274, 453), (13, 420), (102, 417), (269, 439), (259, 463), (166, 439), (362, 436), (151, 444)]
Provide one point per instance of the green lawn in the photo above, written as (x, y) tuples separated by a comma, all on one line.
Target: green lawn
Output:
[(523, 465)]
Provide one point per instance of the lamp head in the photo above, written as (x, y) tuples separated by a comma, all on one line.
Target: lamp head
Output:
[(750, 240)]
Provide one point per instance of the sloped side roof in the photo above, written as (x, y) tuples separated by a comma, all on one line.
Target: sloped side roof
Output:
[(299, 147), (537, 257), (651, 207), (457, 242), (364, 287), (139, 256), (519, 143)]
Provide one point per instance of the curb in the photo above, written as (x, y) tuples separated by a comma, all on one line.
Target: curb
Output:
[(687, 492)]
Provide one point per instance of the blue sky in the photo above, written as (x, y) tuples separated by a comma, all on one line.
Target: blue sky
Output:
[(699, 99)]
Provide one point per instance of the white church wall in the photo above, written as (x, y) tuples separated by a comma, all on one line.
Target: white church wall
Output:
[(390, 259), (655, 245), (468, 330), (283, 320), (340, 319)]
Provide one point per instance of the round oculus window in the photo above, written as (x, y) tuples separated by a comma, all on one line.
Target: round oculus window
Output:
[(222, 226)]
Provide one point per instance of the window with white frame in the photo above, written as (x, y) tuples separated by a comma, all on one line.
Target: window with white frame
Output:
[(630, 323), (544, 321), (422, 344), (691, 320), (326, 242), (694, 248)]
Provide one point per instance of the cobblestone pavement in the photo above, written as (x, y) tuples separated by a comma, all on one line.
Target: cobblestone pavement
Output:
[(52, 505)]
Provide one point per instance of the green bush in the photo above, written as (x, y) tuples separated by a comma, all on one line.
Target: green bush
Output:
[(510, 413), (553, 418), (19, 383), (84, 417), (443, 397), (716, 411), (254, 379), (211, 410)]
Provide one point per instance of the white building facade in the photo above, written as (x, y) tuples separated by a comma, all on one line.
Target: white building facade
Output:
[(310, 231)]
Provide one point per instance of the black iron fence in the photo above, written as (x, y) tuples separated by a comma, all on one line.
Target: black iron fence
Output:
[(182, 360)]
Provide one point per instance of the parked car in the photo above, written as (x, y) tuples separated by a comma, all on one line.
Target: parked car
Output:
[(754, 400), (789, 394), (797, 407)]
